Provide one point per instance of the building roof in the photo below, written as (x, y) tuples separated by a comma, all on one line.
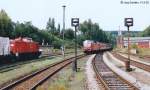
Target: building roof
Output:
[(137, 38)]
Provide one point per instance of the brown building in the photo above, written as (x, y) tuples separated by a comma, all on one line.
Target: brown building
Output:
[(141, 42)]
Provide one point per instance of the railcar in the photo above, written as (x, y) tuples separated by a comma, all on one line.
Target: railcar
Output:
[(90, 47), (87, 46)]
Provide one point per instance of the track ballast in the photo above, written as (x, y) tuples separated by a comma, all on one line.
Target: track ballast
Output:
[(109, 79)]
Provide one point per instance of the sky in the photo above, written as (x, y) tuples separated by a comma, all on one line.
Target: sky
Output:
[(109, 14)]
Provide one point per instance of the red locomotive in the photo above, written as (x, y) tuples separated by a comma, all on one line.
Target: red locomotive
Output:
[(24, 48), (89, 46), (20, 48)]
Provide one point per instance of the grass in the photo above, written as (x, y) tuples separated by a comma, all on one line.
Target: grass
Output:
[(27, 68), (66, 50), (24, 69), (68, 80), (145, 51), (141, 51)]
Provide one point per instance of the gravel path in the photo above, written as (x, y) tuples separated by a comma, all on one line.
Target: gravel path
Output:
[(91, 80), (138, 76)]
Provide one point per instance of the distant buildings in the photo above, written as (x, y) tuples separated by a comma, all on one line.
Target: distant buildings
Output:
[(141, 42)]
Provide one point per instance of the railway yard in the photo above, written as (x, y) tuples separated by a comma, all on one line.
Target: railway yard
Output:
[(98, 68), (101, 71), (74, 45)]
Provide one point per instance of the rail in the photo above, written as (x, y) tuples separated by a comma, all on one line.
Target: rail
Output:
[(31, 81), (133, 62), (109, 79)]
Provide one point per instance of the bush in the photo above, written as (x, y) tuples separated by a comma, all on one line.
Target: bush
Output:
[(134, 46)]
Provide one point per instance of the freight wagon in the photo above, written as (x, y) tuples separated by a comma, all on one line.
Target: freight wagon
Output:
[(4, 48)]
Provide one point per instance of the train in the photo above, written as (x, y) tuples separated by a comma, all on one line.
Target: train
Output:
[(91, 47), (18, 49)]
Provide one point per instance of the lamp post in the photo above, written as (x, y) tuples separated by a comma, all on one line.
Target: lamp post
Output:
[(63, 46), (128, 23)]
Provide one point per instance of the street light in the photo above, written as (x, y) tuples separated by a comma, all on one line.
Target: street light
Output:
[(128, 23), (63, 46)]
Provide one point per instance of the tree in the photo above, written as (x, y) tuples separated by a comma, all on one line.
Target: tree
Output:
[(58, 29), (5, 24), (69, 34), (24, 30), (146, 32), (92, 31), (51, 26)]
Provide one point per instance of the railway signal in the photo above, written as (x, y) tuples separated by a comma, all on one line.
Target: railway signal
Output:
[(128, 23), (75, 23)]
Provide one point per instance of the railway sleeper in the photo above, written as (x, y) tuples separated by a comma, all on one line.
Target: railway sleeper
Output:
[(120, 85), (121, 88), (117, 81), (112, 81), (103, 69), (109, 77), (106, 73)]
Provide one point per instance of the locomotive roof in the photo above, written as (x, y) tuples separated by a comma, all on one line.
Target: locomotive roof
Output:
[(22, 39)]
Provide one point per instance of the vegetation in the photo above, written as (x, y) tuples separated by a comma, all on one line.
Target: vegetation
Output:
[(146, 32), (67, 80), (134, 46), (6, 25), (29, 67), (52, 35), (92, 31)]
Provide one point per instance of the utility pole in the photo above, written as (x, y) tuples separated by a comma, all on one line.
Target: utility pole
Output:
[(63, 46)]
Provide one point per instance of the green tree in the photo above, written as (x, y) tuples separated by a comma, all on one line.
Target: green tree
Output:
[(146, 32), (69, 34), (5, 24), (58, 28), (51, 26), (25, 29), (92, 31)]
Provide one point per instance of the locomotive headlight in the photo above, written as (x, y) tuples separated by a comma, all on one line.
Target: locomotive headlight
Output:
[(11, 45)]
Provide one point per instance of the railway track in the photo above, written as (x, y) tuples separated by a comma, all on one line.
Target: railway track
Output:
[(11, 66), (133, 63), (144, 57), (8, 67), (109, 79), (30, 82)]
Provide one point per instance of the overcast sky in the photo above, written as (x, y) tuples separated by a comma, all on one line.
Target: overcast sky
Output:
[(109, 14)]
